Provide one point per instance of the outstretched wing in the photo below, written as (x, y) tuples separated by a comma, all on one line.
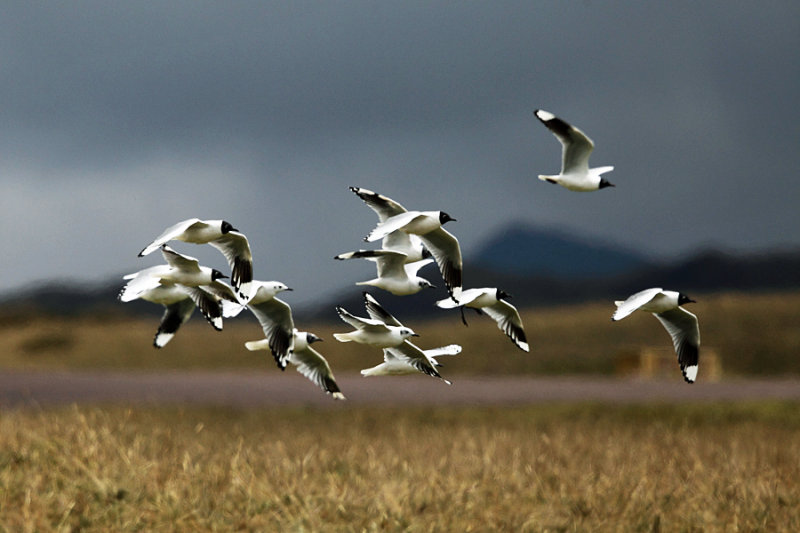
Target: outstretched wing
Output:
[(175, 315), (180, 261), (208, 304), (169, 234), (394, 223), (377, 312), (389, 263), (446, 251), (312, 365), (684, 329), (508, 320), (576, 147), (275, 317), (360, 323), (383, 206), (411, 354), (236, 249)]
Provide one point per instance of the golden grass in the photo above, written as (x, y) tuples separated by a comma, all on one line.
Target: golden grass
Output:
[(753, 333), (547, 468)]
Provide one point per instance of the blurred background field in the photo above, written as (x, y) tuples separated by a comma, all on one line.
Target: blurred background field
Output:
[(752, 334)]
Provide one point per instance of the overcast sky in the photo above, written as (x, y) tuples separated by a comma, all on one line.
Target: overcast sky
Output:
[(122, 118)]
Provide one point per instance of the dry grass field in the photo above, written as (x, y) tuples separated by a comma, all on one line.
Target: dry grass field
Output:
[(555, 467), (752, 333), (547, 468)]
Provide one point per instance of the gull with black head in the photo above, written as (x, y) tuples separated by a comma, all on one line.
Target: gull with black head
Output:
[(309, 362), (221, 235), (576, 148), (494, 303), (380, 330), (681, 325), (427, 225)]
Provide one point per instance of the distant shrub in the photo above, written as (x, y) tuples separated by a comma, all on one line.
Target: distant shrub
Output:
[(47, 341)]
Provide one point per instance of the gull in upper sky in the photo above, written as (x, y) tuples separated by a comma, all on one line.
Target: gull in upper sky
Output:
[(681, 325), (493, 302), (407, 359), (394, 273), (397, 241), (439, 242), (179, 270), (308, 361), (576, 148), (221, 235), (275, 317), (373, 331)]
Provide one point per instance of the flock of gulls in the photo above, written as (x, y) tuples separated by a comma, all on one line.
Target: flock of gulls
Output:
[(409, 240)]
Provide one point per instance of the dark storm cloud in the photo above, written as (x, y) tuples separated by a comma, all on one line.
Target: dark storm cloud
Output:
[(143, 113)]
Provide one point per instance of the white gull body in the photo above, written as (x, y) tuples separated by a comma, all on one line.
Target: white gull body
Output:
[(681, 325), (221, 235), (442, 245), (397, 241), (492, 302), (394, 273), (407, 358), (275, 317), (576, 147), (180, 269), (309, 362)]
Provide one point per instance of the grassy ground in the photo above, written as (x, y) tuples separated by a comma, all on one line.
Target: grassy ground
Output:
[(753, 334), (549, 468)]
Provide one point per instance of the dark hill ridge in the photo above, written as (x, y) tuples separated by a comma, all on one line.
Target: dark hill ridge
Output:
[(524, 250), (538, 267), (707, 271)]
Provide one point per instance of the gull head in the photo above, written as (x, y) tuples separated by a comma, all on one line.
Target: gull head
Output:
[(310, 337), (216, 274), (264, 290), (444, 217), (605, 183), (227, 227), (502, 295), (406, 333), (424, 283), (683, 299)]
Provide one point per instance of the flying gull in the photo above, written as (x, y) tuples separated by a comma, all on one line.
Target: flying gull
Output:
[(493, 302), (221, 235), (394, 273), (439, 242), (373, 331), (308, 361), (397, 241), (179, 270), (396, 361), (576, 148), (275, 317), (405, 352), (179, 303), (679, 323)]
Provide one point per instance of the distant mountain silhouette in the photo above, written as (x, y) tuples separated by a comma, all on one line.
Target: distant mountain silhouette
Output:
[(525, 250), (538, 267), (706, 271)]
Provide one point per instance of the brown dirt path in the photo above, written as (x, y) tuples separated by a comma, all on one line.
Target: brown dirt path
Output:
[(234, 389)]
